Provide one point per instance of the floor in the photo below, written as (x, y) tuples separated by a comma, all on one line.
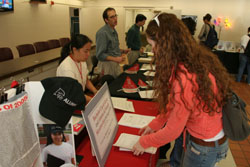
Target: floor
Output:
[(239, 153)]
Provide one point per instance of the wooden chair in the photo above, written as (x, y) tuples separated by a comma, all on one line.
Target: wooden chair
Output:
[(25, 49), (41, 46), (64, 41), (54, 43), (5, 54)]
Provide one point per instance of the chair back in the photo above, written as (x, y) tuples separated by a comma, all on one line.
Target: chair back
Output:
[(64, 41), (94, 61), (5, 54), (41, 46), (107, 78), (54, 43), (25, 49)]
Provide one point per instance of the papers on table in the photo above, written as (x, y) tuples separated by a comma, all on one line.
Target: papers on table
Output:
[(146, 94), (150, 83), (122, 104), (124, 149), (145, 59), (149, 53), (135, 120), (149, 73), (128, 141), (147, 67)]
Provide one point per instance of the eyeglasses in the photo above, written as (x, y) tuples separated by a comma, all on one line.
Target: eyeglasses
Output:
[(111, 17)]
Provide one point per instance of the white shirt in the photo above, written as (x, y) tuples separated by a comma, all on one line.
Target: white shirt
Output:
[(70, 68), (243, 43), (64, 151)]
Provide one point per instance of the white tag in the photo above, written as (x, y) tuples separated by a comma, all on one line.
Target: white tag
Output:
[(195, 151)]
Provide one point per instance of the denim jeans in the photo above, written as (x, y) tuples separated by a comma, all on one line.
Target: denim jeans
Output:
[(243, 62), (176, 154), (202, 156)]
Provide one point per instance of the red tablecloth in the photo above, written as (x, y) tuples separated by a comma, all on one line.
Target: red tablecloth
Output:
[(122, 158)]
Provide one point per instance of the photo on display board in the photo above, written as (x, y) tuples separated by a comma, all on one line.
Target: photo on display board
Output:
[(56, 143)]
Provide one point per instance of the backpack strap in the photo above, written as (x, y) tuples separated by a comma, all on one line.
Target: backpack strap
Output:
[(212, 26), (247, 46)]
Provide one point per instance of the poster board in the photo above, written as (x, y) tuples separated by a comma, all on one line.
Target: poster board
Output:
[(101, 123)]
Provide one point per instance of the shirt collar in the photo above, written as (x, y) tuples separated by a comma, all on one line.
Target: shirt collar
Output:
[(109, 28), (138, 27)]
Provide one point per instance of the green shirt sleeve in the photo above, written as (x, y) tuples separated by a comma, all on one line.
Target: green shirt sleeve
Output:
[(132, 41)]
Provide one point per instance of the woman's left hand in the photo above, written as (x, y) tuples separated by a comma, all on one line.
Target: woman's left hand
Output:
[(138, 149)]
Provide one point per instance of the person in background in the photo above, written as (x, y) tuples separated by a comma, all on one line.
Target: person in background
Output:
[(73, 62), (133, 38), (205, 28), (107, 46), (57, 147), (191, 86), (243, 59), (190, 23)]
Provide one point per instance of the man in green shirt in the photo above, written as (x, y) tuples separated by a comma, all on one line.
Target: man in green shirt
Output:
[(134, 39), (108, 51)]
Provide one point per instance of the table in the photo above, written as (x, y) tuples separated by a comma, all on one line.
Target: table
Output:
[(230, 60), (116, 85), (26, 63), (122, 158)]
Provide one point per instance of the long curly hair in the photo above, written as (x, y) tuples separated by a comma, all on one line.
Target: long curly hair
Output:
[(174, 45)]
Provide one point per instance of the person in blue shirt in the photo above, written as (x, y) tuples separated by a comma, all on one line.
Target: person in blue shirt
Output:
[(108, 51), (133, 38), (244, 60)]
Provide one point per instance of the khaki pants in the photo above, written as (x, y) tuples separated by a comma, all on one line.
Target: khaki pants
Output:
[(133, 56), (109, 68)]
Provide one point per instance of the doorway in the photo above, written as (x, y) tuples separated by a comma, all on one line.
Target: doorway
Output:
[(74, 19)]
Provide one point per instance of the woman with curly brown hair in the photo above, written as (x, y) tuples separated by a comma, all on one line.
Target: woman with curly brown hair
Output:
[(191, 86)]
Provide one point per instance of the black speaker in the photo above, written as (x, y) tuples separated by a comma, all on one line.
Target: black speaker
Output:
[(76, 12)]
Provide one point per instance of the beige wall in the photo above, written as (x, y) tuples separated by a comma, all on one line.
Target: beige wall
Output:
[(35, 22), (91, 20), (235, 10)]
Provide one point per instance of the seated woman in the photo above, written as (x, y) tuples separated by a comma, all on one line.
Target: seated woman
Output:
[(73, 62)]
